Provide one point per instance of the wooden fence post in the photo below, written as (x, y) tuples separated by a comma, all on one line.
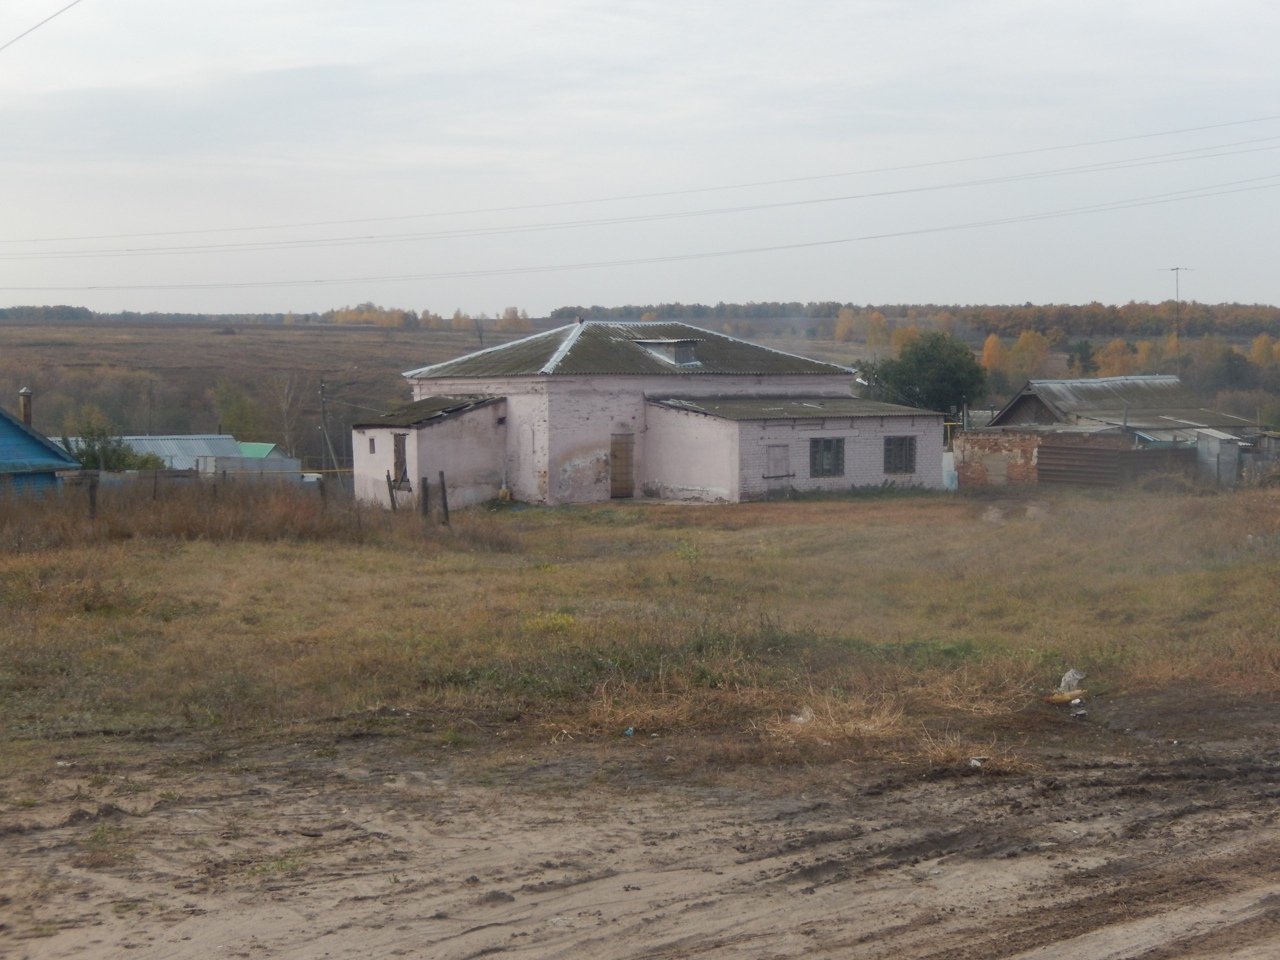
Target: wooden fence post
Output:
[(444, 501), (324, 497), (391, 492), (93, 497), (424, 498)]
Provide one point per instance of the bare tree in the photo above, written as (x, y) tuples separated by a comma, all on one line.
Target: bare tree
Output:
[(287, 392)]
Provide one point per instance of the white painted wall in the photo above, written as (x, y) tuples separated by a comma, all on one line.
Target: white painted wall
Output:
[(690, 456), (570, 462), (863, 451), (471, 449)]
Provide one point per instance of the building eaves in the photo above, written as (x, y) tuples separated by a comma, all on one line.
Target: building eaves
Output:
[(1158, 401), (426, 410), (788, 408), (55, 457)]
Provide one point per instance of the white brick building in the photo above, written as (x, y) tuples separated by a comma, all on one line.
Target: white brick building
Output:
[(598, 409)]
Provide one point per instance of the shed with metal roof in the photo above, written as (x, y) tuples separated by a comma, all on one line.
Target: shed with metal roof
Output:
[(1099, 432)]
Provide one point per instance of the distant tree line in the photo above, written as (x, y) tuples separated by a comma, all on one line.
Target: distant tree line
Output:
[(1055, 321), (822, 319)]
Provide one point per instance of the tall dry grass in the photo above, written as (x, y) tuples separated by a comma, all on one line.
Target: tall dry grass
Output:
[(899, 626), (223, 511)]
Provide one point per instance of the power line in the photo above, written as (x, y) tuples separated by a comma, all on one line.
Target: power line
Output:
[(39, 25), (1179, 156), (645, 196), (1237, 186)]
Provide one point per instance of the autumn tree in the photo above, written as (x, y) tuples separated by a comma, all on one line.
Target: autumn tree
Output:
[(995, 356), (1263, 350), (1029, 357), (877, 330), (460, 321), (1117, 359), (901, 336), (1149, 356), (846, 321), (370, 314), (514, 320)]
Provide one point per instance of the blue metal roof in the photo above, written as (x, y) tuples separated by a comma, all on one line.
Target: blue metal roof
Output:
[(24, 450)]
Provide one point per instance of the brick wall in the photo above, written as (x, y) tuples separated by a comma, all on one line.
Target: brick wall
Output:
[(863, 452), (995, 457)]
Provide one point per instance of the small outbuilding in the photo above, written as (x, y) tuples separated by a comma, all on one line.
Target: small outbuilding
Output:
[(1098, 432)]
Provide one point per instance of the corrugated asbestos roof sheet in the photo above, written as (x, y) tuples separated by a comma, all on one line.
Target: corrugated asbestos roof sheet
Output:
[(602, 347), (428, 408), (1148, 402), (788, 408)]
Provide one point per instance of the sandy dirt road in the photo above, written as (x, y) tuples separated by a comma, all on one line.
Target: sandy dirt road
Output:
[(1103, 844)]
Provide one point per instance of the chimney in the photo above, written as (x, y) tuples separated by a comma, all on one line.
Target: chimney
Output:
[(24, 405)]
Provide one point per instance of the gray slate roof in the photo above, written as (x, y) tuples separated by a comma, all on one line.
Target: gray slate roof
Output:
[(607, 347), (427, 409), (788, 408), (1143, 403)]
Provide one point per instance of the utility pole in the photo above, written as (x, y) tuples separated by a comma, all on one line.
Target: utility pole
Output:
[(1177, 317), (324, 429)]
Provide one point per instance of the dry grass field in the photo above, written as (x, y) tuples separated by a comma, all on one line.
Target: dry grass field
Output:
[(165, 375), (688, 730)]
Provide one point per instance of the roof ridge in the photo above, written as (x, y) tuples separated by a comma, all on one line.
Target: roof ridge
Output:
[(565, 346), (423, 371)]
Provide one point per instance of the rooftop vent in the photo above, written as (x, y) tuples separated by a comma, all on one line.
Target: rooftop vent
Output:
[(683, 353)]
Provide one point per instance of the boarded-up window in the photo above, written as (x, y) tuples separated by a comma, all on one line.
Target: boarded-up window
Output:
[(621, 465), (372, 447), (400, 471), (899, 454), (826, 457)]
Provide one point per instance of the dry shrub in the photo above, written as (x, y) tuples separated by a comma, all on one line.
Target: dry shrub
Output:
[(235, 510), (830, 719)]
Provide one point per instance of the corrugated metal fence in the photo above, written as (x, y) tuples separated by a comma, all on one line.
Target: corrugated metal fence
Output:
[(1102, 467)]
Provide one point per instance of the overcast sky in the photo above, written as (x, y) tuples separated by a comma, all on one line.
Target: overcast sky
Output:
[(430, 122)]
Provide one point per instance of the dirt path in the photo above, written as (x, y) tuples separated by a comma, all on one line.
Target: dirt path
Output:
[(371, 848)]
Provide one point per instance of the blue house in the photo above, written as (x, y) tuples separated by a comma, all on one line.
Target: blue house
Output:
[(29, 461)]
